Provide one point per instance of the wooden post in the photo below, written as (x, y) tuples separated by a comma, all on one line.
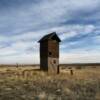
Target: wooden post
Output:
[(58, 70), (71, 71), (17, 65)]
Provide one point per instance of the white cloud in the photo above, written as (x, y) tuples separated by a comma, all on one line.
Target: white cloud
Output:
[(22, 43), (46, 14), (31, 58), (97, 39), (21, 28), (82, 57), (7, 51), (73, 30)]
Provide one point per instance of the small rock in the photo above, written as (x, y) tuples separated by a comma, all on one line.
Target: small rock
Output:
[(68, 91), (42, 95), (8, 89), (51, 97), (23, 96), (58, 91)]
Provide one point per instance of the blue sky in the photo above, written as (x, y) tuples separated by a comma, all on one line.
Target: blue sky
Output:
[(24, 22)]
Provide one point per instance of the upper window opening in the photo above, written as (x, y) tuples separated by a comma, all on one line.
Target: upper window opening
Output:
[(50, 53)]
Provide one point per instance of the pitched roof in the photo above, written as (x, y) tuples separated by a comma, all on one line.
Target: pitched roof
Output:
[(50, 36)]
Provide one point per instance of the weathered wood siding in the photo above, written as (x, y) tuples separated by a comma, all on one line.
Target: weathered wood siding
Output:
[(49, 55), (53, 47)]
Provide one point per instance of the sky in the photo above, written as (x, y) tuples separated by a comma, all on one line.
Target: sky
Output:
[(24, 22)]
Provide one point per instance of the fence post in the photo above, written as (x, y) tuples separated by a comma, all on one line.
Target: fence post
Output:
[(71, 72), (58, 70)]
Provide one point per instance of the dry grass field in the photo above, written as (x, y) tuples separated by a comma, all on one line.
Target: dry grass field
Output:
[(28, 83)]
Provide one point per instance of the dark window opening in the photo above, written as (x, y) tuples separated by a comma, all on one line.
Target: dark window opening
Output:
[(50, 53), (54, 61)]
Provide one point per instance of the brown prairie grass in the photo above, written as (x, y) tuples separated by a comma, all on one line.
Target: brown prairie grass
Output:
[(31, 84)]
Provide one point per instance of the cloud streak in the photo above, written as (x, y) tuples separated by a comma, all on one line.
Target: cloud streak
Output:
[(24, 22)]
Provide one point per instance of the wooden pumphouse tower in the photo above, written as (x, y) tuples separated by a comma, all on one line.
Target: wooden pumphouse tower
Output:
[(49, 53)]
